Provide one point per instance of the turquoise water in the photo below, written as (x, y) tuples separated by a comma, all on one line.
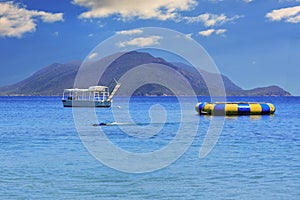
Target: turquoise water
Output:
[(42, 156)]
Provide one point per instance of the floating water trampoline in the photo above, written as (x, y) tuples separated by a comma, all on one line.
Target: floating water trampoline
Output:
[(235, 108)]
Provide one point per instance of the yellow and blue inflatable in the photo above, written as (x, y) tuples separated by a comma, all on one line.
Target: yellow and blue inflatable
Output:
[(235, 108)]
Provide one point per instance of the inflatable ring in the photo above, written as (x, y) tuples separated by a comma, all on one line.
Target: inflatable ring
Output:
[(235, 108)]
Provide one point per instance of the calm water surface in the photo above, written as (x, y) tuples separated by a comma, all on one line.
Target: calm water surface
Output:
[(42, 156)]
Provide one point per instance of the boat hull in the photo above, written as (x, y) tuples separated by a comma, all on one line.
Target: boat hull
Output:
[(82, 103)]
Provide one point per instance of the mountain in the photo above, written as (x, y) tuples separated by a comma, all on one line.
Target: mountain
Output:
[(52, 80)]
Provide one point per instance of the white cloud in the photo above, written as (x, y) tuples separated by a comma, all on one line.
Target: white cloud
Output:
[(189, 36), (209, 32), (211, 19), (150, 9), (220, 31), (283, 1), (141, 41), (294, 20), (16, 20), (47, 17), (56, 34), (216, 1), (290, 15), (130, 32), (92, 55)]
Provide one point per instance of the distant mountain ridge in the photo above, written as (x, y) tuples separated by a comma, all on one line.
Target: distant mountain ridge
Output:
[(52, 80)]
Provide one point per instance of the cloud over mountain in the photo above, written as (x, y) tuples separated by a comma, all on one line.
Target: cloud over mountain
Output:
[(141, 41)]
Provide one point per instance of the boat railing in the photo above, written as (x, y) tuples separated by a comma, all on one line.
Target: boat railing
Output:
[(95, 93)]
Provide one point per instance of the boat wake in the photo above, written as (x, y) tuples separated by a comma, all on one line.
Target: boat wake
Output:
[(134, 124)]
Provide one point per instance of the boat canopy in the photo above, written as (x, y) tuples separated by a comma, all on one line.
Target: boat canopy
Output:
[(97, 88), (91, 89), (76, 90)]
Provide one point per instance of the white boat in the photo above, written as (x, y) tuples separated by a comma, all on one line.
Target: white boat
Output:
[(94, 96)]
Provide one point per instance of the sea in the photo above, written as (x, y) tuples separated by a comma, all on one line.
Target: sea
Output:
[(45, 152)]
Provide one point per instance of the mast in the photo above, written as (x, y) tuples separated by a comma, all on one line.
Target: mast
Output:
[(114, 91)]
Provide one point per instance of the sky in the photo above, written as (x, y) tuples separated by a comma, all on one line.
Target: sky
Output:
[(255, 43)]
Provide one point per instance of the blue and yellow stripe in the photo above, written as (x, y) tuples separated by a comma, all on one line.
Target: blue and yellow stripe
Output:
[(235, 108)]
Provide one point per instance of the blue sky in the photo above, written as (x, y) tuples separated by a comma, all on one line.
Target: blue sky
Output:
[(255, 43)]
